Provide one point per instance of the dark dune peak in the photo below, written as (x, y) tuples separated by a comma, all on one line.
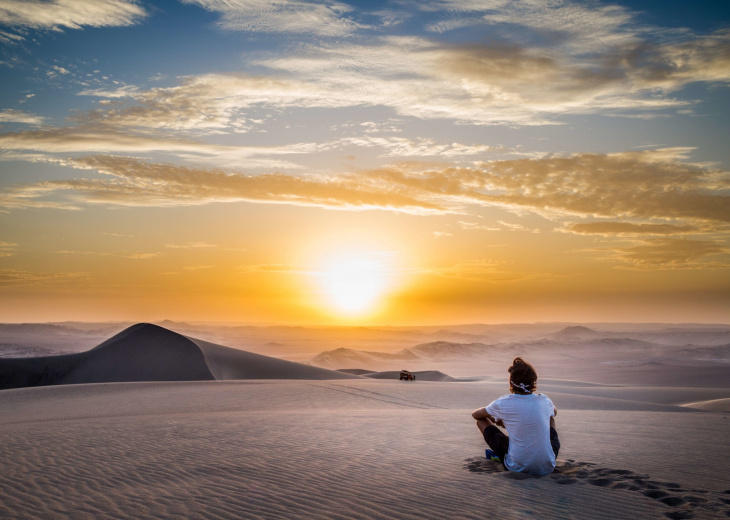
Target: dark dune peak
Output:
[(146, 352)]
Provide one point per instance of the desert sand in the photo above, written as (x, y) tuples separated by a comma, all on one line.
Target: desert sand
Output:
[(237, 443)]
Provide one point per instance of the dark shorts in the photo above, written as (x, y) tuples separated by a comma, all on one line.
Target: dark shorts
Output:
[(499, 442)]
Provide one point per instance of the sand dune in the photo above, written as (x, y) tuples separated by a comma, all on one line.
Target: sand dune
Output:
[(146, 352)]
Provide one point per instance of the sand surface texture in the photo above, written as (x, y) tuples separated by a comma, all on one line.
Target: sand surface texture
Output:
[(359, 448)]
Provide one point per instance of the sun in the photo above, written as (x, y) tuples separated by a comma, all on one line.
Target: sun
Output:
[(354, 284)]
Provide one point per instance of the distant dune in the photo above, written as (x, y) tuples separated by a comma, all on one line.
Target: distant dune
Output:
[(146, 352), (426, 375), (344, 357)]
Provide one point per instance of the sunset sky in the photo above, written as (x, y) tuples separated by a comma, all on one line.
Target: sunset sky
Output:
[(374, 162)]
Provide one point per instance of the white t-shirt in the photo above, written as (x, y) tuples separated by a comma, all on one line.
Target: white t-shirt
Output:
[(527, 419)]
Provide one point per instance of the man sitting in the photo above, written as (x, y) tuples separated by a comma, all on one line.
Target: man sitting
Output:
[(532, 445)]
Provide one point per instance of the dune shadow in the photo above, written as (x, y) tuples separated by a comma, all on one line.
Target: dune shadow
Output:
[(684, 503)]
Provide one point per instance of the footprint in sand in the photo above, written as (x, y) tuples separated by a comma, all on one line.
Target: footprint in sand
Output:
[(686, 503)]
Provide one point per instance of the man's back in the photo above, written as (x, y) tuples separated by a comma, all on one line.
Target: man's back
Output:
[(527, 419)]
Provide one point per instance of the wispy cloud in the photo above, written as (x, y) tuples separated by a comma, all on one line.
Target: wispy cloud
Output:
[(17, 116), (14, 277), (10, 38), (138, 183), (422, 147), (639, 186), (584, 24), (674, 253), (627, 229), (475, 83), (8, 249), (327, 18), (69, 14), (84, 253), (104, 139), (473, 226), (192, 245), (483, 270)]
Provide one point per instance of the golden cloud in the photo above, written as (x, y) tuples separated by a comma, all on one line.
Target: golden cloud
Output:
[(634, 185), (628, 229), (99, 138), (13, 277), (675, 253), (138, 183)]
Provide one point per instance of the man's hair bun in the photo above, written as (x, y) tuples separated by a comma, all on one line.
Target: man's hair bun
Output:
[(523, 376)]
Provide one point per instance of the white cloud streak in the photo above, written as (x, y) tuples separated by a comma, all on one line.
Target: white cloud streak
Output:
[(322, 18), (18, 116), (69, 14)]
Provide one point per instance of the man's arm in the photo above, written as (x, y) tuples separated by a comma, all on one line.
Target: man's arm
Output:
[(481, 413)]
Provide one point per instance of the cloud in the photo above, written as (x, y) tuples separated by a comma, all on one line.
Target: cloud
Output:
[(8, 249), (421, 147), (516, 227), (192, 245), (282, 16), (17, 116), (10, 38), (13, 277), (138, 183), (474, 226), (508, 82), (474, 83), (580, 24), (674, 253), (484, 270), (209, 102), (86, 253), (627, 229), (69, 14), (641, 186), (103, 139)]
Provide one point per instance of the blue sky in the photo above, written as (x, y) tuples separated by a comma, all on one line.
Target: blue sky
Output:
[(466, 139)]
